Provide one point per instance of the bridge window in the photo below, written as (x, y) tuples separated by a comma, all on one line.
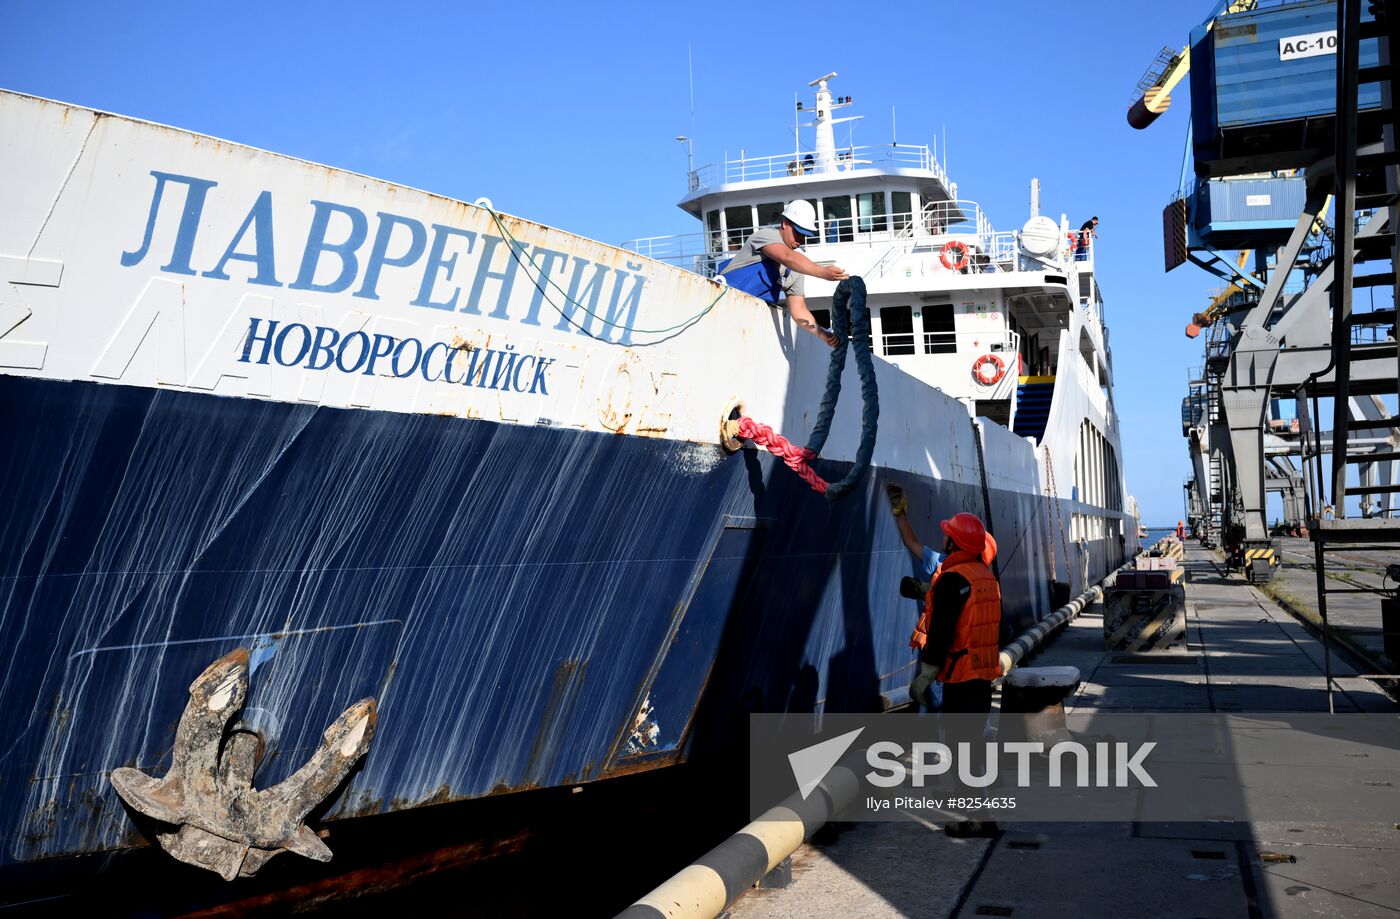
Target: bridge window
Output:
[(938, 329), (770, 214), (897, 330), (738, 222), (901, 210), (871, 208), (714, 238), (837, 226)]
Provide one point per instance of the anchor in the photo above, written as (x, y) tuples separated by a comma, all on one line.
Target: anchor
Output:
[(221, 821)]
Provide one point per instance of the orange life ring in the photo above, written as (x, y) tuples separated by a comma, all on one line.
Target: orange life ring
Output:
[(951, 246), (979, 368)]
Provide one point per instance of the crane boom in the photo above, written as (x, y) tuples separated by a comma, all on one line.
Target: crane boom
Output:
[(1156, 96)]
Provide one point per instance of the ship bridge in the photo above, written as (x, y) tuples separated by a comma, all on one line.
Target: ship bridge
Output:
[(983, 314), (862, 191)]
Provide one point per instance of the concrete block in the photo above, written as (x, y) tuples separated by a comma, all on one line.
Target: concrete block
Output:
[(1149, 579), (1144, 620)]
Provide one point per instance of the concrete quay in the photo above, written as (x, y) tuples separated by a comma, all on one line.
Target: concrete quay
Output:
[(1355, 618), (1245, 654)]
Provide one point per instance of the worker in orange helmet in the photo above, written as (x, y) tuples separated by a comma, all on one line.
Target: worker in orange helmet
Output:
[(958, 634), (1181, 530), (928, 559)]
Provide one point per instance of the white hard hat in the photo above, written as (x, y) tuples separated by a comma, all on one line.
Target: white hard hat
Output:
[(802, 216)]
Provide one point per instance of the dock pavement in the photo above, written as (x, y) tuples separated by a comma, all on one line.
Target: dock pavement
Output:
[(1355, 618), (1245, 654)]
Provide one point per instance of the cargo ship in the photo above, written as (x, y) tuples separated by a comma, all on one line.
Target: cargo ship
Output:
[(357, 441)]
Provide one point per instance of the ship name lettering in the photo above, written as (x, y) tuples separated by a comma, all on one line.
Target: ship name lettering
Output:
[(591, 298), (505, 363), (539, 380), (297, 344)]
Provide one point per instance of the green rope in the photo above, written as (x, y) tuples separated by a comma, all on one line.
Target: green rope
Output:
[(515, 253)]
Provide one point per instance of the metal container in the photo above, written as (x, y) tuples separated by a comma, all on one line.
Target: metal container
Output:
[(1229, 211), (1263, 87)]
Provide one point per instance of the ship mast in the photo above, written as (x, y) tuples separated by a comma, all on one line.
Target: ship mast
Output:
[(824, 154)]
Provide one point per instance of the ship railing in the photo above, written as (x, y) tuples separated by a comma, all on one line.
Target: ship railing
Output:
[(1005, 343), (1003, 249), (875, 229), (1081, 255), (793, 163), (709, 248), (699, 253), (993, 251), (956, 217), (992, 254), (990, 251)]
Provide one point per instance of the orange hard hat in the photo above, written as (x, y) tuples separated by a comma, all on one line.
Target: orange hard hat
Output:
[(966, 531), (989, 551)]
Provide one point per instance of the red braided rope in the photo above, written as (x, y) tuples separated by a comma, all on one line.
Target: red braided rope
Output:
[(794, 456)]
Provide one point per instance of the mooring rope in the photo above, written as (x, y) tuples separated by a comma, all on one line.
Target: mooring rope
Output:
[(797, 458), (850, 321)]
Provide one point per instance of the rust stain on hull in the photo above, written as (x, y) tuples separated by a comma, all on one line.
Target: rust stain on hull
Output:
[(370, 880)]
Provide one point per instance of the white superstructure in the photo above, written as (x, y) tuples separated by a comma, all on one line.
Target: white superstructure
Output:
[(1008, 322)]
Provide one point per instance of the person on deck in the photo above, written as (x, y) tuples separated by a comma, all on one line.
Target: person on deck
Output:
[(1087, 231), (768, 265), (959, 633)]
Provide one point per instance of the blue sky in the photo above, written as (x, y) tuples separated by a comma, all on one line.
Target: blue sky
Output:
[(567, 114)]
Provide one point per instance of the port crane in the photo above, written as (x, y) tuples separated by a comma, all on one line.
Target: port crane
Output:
[(1152, 95), (1293, 117), (1265, 336)]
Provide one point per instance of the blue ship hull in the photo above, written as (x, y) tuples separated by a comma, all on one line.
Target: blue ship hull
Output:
[(514, 595)]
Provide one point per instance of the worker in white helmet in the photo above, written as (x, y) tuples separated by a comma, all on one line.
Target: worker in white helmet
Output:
[(770, 266)]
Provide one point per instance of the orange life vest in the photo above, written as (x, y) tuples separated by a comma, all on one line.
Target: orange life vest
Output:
[(975, 653)]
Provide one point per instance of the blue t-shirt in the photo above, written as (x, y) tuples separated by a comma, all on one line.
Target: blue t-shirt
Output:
[(755, 273), (932, 560)]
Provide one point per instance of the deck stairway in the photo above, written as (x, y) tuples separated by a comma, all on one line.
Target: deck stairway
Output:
[(1033, 397)]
